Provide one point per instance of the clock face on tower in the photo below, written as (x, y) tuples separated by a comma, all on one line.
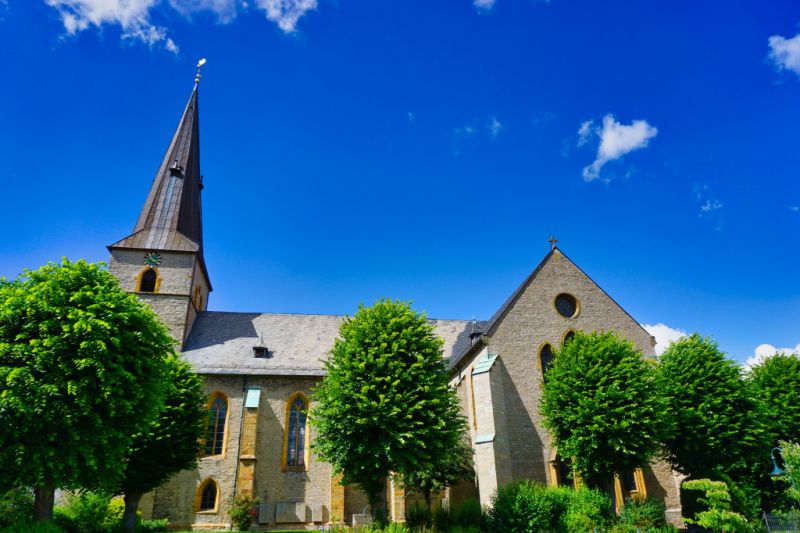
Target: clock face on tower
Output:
[(152, 259)]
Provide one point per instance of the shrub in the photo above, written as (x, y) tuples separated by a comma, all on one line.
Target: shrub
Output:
[(718, 515), (585, 510), (467, 514), (32, 527), (242, 512), (525, 506), (441, 519), (522, 506), (87, 512), (154, 526), (114, 513), (15, 505), (643, 513), (418, 516)]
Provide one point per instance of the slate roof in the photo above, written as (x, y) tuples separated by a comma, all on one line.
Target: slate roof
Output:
[(222, 342), (171, 216)]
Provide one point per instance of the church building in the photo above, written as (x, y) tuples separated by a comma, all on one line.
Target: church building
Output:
[(260, 368)]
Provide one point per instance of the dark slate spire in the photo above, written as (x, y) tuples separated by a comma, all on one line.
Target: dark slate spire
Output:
[(171, 216)]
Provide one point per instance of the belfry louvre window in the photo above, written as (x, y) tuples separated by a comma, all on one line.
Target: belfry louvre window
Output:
[(148, 281), (546, 359), (296, 438), (215, 436)]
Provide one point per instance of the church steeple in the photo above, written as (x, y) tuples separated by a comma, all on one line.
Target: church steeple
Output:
[(171, 216), (162, 260)]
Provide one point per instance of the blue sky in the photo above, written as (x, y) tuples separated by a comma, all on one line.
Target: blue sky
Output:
[(422, 150)]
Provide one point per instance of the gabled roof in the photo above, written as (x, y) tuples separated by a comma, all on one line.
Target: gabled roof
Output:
[(171, 216), (490, 326), (222, 343)]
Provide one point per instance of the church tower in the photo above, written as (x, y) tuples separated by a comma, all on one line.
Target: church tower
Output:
[(162, 260)]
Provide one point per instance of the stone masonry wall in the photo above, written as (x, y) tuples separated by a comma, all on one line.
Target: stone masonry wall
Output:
[(533, 321), (172, 301), (175, 499), (530, 323)]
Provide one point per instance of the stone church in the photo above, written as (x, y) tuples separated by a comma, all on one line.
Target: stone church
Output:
[(260, 369)]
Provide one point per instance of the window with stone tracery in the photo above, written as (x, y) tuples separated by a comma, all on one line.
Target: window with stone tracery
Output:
[(217, 416), (296, 433)]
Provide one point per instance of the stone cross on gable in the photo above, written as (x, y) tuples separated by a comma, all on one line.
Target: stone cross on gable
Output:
[(552, 240)]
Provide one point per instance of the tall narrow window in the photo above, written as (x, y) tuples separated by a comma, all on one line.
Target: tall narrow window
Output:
[(217, 415), (546, 359), (147, 281), (206, 500), (296, 434), (565, 478)]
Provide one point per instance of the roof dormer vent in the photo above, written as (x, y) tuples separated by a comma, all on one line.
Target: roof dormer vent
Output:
[(261, 352)]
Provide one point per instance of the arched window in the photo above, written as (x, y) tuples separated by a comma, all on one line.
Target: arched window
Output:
[(217, 416), (568, 337), (148, 280), (565, 477), (295, 441), (546, 359), (206, 497)]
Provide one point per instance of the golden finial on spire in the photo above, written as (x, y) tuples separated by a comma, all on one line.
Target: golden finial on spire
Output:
[(199, 65)]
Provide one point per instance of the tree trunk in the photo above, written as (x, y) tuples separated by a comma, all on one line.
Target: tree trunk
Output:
[(129, 518), (427, 495), (43, 500)]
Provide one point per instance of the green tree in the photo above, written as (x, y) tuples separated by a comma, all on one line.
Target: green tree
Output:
[(172, 441), (602, 407), (775, 381), (453, 465), (790, 452), (80, 366), (385, 406), (715, 428), (718, 514)]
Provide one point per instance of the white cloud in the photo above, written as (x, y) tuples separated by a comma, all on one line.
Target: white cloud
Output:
[(134, 16), (785, 53), (465, 131), (225, 10), (794, 208), (711, 205), (763, 351), (495, 127), (584, 131), (286, 13), (616, 140), (484, 5), (664, 335)]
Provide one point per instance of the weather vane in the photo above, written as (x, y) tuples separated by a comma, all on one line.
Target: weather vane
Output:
[(199, 65)]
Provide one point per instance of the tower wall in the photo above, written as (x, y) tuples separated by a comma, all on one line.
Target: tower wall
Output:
[(172, 300)]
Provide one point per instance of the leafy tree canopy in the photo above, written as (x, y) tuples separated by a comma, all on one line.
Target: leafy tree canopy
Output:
[(602, 407), (385, 407), (171, 443), (80, 366), (716, 426), (775, 381), (454, 464)]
